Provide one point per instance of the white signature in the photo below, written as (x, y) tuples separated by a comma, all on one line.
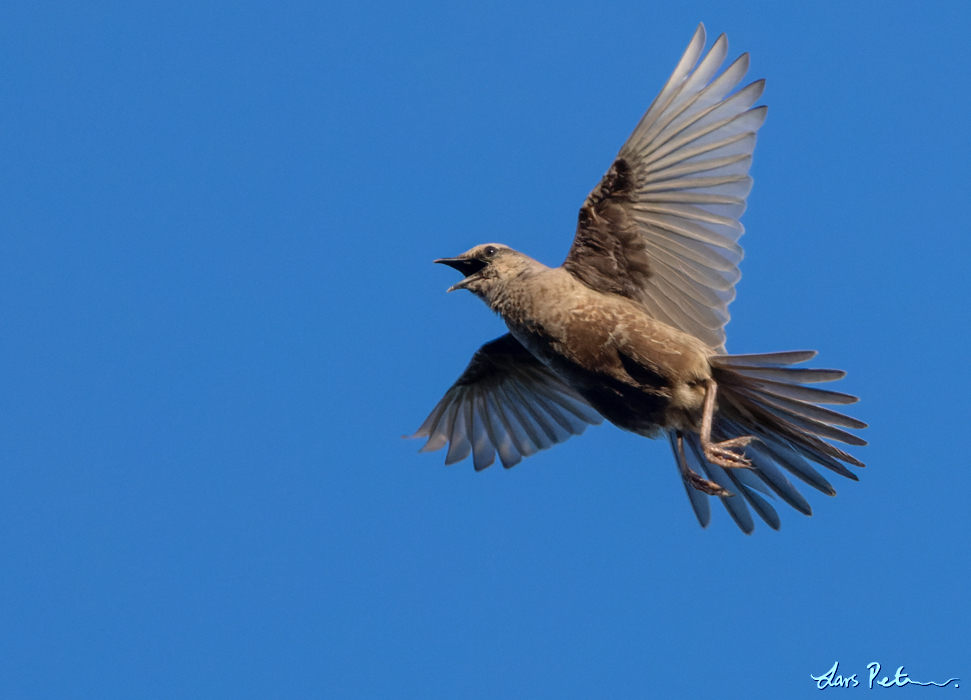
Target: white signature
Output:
[(831, 679)]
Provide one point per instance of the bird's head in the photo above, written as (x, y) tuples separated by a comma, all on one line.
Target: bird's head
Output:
[(487, 267)]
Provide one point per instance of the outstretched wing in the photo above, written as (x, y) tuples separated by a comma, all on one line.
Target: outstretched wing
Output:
[(506, 401), (661, 227)]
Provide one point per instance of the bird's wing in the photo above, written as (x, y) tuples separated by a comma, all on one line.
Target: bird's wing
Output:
[(662, 226), (506, 401)]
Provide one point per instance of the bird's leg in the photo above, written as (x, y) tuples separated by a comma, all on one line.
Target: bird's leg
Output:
[(694, 478), (728, 453)]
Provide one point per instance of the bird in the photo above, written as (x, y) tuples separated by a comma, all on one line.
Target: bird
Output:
[(631, 327)]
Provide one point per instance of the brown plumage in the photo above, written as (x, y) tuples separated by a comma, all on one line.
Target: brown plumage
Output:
[(631, 327)]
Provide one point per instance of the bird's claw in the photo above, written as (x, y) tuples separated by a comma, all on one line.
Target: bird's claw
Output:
[(705, 486), (728, 454)]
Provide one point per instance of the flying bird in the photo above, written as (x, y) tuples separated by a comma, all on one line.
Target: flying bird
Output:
[(631, 327)]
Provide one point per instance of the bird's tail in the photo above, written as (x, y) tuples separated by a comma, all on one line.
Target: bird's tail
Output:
[(763, 396)]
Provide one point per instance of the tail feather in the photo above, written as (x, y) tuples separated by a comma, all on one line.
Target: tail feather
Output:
[(789, 419), (699, 500), (742, 396), (807, 394), (753, 482), (734, 505), (804, 409), (784, 454), (790, 375), (776, 451), (769, 472), (762, 507), (764, 397), (827, 460), (767, 359)]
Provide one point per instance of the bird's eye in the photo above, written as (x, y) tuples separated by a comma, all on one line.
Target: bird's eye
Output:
[(490, 251)]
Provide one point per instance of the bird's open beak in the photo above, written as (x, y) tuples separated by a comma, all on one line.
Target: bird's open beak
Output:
[(467, 266)]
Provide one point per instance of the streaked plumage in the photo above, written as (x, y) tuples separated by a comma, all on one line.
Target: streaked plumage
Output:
[(631, 327)]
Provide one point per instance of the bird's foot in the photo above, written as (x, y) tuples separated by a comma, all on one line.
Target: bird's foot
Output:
[(728, 454), (702, 484)]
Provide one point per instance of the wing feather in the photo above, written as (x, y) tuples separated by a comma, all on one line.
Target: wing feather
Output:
[(505, 402), (662, 225)]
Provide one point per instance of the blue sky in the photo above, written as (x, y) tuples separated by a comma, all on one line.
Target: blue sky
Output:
[(218, 315)]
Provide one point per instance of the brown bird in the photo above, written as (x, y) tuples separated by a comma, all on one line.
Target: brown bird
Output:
[(631, 327)]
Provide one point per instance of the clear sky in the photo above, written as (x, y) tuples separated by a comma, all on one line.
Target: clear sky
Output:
[(218, 315)]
